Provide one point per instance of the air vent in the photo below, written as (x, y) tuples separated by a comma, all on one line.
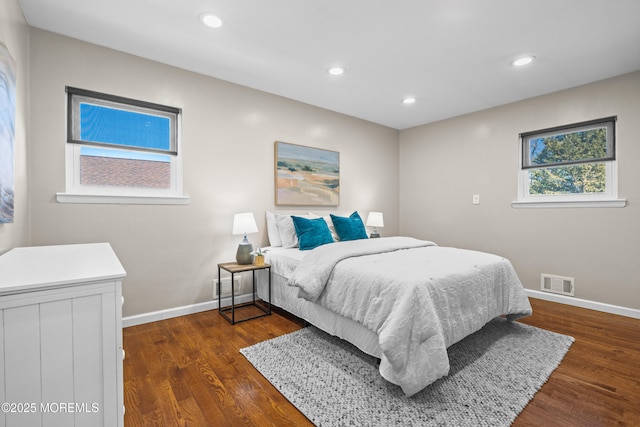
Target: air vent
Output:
[(557, 284), (226, 286)]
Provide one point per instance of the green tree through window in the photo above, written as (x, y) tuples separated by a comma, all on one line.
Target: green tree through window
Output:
[(569, 160), (572, 147)]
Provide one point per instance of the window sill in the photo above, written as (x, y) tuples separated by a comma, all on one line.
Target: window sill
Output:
[(613, 203), (121, 200)]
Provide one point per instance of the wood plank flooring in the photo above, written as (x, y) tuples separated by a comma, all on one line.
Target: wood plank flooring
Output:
[(187, 371)]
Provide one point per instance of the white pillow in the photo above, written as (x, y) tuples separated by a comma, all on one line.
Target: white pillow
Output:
[(288, 236), (272, 229)]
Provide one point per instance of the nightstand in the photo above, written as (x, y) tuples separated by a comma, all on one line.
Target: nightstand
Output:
[(249, 309)]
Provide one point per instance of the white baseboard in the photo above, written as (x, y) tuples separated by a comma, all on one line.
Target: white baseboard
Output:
[(583, 303), (169, 313), (154, 316)]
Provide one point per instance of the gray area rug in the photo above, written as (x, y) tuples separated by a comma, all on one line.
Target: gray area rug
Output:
[(494, 374)]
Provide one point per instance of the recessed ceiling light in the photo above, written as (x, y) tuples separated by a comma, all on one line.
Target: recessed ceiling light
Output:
[(211, 20), (409, 100), (525, 60), (336, 71)]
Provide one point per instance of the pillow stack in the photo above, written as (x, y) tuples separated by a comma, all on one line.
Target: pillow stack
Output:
[(310, 231)]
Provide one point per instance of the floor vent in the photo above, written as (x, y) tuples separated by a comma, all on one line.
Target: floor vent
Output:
[(557, 284)]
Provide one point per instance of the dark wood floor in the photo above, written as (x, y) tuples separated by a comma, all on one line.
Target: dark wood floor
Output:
[(187, 371)]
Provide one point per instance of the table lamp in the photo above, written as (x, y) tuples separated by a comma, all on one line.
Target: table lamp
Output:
[(375, 220), (244, 223)]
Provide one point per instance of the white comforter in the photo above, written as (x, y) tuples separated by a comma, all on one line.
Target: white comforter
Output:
[(418, 297)]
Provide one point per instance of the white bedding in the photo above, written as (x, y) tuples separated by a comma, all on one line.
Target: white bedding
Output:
[(284, 261), (418, 298), (286, 297)]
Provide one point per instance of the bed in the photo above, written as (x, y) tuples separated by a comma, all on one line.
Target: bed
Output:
[(400, 299)]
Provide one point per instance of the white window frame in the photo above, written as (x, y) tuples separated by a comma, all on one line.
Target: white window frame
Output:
[(609, 198), (76, 192)]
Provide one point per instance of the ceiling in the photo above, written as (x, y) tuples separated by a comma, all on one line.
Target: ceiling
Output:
[(453, 55)]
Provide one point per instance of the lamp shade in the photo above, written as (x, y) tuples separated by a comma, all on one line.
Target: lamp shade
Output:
[(244, 223), (375, 219)]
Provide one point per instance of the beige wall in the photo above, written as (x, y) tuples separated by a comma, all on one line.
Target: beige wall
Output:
[(170, 252), (14, 33), (443, 164), (424, 188)]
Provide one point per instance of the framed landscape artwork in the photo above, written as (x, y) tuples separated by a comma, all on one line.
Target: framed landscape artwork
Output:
[(306, 176), (7, 133)]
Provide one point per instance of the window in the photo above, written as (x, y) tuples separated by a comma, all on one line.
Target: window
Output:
[(569, 164), (121, 150)]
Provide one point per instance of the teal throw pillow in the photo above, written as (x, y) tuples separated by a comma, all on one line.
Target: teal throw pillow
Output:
[(311, 232), (349, 228)]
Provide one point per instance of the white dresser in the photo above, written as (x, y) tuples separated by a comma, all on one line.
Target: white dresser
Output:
[(61, 336)]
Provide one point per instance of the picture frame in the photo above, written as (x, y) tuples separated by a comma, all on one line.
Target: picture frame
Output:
[(306, 176), (7, 134)]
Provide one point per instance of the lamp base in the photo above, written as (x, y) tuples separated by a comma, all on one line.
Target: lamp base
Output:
[(243, 255), (374, 235)]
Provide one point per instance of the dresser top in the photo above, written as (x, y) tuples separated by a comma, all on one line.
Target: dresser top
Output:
[(42, 267)]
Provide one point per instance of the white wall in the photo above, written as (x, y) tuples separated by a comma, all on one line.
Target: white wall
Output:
[(170, 252), (443, 164), (14, 33)]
